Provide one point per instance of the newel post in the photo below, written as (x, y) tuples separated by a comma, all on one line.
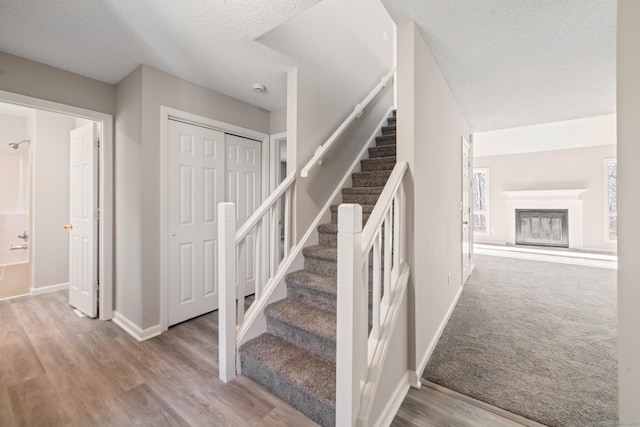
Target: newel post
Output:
[(351, 333), (227, 291)]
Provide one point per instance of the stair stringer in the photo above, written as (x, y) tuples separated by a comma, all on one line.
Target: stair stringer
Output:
[(255, 322)]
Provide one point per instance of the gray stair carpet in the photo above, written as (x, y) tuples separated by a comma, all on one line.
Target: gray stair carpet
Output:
[(295, 358)]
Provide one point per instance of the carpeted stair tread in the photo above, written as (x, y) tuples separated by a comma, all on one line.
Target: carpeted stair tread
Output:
[(329, 227), (385, 140), (304, 325), (378, 164), (362, 190), (304, 380), (391, 121), (370, 178), (382, 151)]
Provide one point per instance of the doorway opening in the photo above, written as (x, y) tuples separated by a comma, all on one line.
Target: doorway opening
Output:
[(39, 202)]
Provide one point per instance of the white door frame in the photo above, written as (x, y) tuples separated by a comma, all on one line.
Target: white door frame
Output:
[(274, 148), (466, 145), (165, 114), (105, 185)]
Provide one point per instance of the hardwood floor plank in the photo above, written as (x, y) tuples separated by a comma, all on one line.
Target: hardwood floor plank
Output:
[(7, 419), (35, 403)]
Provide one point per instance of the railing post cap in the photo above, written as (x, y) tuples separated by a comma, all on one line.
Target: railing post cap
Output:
[(349, 218), (227, 211)]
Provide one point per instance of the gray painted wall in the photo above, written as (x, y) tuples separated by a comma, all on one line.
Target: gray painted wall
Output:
[(430, 127), (20, 75)]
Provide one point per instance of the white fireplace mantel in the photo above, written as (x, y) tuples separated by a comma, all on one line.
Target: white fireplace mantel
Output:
[(570, 199)]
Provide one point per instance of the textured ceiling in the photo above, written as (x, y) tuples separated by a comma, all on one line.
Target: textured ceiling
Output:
[(521, 62), (206, 42), (508, 62)]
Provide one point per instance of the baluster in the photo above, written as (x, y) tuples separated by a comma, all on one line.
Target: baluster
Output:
[(257, 262), (242, 266), (396, 239), (287, 221), (226, 291), (375, 326), (274, 252), (388, 249)]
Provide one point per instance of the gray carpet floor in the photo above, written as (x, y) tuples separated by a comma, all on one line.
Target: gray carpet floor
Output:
[(534, 338)]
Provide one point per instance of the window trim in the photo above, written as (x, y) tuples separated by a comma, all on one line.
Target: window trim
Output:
[(607, 162), (487, 211)]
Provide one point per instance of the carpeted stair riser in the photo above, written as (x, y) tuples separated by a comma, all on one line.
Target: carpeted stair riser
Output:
[(385, 140), (321, 259), (383, 151), (391, 121), (300, 378), (370, 179), (388, 130), (328, 234), (304, 325), (313, 289), (361, 195), (377, 164)]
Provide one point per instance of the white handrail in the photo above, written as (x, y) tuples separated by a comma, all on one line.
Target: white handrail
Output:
[(264, 207), (321, 151)]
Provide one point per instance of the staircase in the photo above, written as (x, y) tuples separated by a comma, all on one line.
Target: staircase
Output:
[(295, 358)]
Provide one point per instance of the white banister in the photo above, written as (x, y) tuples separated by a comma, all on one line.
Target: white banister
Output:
[(321, 151), (351, 315), (256, 242), (226, 293), (374, 250)]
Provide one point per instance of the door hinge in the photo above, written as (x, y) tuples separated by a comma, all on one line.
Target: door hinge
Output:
[(98, 146), (98, 285)]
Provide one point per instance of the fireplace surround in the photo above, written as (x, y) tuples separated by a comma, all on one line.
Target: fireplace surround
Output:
[(570, 200)]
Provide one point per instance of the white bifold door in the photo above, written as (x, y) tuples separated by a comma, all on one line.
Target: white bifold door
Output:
[(201, 164), (83, 220)]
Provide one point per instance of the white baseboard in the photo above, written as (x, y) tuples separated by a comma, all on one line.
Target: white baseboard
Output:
[(414, 377), (134, 330), (48, 289), (14, 296), (395, 401)]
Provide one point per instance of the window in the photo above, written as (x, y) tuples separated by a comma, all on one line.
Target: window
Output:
[(481, 201), (611, 184)]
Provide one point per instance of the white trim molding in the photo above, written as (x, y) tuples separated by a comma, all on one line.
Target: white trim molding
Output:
[(394, 402), (48, 289), (134, 330), (414, 377), (570, 199)]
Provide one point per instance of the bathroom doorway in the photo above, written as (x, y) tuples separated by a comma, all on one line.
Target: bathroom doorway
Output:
[(36, 225)]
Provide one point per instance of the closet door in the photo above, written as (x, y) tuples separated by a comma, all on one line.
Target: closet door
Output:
[(195, 187), (243, 188)]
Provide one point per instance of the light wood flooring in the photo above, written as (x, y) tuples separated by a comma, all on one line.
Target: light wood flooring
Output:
[(57, 369)]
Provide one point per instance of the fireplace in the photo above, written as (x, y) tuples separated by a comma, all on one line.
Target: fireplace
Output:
[(542, 227), (569, 200)]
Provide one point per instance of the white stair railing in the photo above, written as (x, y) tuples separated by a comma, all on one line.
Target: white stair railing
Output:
[(266, 258), (377, 249)]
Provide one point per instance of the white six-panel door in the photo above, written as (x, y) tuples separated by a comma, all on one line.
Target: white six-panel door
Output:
[(83, 224), (195, 187), (243, 188)]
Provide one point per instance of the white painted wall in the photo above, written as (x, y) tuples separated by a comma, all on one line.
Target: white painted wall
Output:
[(550, 170), (586, 132), (430, 127), (628, 87), (340, 53), (20, 75), (139, 97), (50, 209)]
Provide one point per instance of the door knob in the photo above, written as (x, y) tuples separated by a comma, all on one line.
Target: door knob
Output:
[(68, 226)]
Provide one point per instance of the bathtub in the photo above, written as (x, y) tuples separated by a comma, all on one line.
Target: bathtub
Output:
[(15, 268), (15, 279)]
